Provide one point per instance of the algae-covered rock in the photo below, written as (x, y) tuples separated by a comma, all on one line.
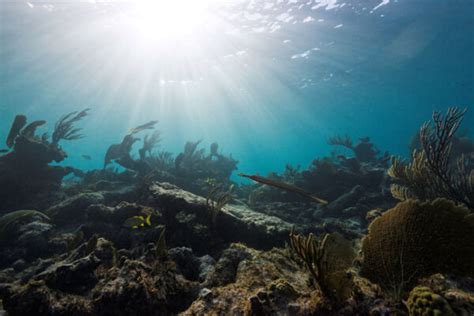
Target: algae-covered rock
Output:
[(35, 298), (416, 239), (235, 223), (10, 222), (74, 208), (423, 302)]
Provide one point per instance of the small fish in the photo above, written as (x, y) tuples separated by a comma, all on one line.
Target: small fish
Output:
[(86, 157), (135, 222), (2, 151), (283, 186)]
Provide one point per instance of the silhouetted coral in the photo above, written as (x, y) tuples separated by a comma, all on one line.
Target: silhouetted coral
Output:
[(26, 178), (364, 151), (64, 128)]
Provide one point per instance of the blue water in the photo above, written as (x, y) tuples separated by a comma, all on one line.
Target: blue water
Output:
[(269, 81)]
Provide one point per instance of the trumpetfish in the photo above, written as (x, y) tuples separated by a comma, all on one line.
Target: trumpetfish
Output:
[(283, 186)]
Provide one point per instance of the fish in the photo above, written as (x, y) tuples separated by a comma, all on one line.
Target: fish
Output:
[(2, 151), (86, 157), (284, 186), (139, 221), (149, 125)]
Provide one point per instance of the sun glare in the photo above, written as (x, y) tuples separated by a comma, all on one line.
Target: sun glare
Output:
[(170, 20)]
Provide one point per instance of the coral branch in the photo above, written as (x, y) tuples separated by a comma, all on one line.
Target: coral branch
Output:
[(64, 128), (432, 172)]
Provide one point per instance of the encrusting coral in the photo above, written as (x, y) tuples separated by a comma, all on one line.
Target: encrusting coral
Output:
[(423, 302), (416, 239)]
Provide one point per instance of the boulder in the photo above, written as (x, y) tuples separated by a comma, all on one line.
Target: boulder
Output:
[(72, 210), (235, 223)]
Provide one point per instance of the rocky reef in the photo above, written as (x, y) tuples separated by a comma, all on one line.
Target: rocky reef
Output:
[(154, 234)]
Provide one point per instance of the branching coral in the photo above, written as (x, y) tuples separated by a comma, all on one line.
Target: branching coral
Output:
[(149, 142), (327, 259), (432, 173), (364, 151), (64, 128), (344, 141)]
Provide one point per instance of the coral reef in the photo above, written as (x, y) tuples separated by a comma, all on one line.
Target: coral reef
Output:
[(155, 234)]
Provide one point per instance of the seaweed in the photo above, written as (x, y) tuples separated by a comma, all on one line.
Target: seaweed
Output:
[(216, 200), (64, 127), (432, 173)]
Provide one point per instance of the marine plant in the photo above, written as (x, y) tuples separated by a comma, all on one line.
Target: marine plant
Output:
[(64, 127), (161, 249), (417, 239), (327, 258), (216, 200), (433, 172), (163, 160)]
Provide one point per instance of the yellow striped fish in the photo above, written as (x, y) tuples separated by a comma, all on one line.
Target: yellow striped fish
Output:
[(135, 222)]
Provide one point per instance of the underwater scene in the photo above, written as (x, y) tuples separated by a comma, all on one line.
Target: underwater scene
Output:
[(236, 157)]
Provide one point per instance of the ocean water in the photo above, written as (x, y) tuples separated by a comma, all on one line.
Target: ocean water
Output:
[(270, 81)]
